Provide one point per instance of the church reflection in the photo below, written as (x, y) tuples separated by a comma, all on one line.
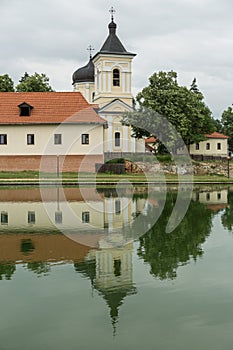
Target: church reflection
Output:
[(98, 249), (110, 271)]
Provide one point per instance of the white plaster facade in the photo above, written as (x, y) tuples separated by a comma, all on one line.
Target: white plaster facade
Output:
[(215, 145), (44, 139)]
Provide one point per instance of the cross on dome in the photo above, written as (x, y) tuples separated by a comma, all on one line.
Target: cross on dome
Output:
[(90, 48), (112, 11)]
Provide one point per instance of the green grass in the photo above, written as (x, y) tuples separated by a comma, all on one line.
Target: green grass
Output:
[(19, 174), (89, 177)]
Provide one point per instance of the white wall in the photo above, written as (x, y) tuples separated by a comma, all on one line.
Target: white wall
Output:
[(213, 151), (44, 139)]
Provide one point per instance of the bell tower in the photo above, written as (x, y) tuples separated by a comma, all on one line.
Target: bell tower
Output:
[(113, 70)]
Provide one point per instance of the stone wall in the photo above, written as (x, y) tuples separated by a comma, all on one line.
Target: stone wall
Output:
[(197, 168)]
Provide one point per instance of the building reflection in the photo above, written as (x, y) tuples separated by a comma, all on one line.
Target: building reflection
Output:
[(110, 271), (214, 200), (99, 251)]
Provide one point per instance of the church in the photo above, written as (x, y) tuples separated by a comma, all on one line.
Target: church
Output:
[(72, 131), (106, 80)]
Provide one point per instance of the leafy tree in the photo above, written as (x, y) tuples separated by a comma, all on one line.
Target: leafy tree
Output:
[(6, 83), (34, 83), (218, 125), (184, 108), (227, 125), (194, 87)]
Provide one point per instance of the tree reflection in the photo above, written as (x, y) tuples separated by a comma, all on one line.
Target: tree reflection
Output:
[(165, 252), (39, 267), (227, 216), (7, 269)]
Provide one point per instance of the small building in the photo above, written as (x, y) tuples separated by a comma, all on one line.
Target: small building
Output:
[(215, 145), (151, 145), (49, 131)]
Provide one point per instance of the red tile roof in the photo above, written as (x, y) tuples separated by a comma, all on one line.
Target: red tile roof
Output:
[(150, 140), (48, 107), (216, 135)]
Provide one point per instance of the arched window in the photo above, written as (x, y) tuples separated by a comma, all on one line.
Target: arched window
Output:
[(117, 139), (116, 77)]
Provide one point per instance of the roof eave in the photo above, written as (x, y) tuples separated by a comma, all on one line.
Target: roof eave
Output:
[(107, 53)]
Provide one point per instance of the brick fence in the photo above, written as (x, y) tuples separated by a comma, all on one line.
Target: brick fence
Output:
[(52, 163)]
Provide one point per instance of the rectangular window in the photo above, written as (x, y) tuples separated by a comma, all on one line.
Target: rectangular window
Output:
[(57, 139), (219, 145), (117, 206), (85, 139), (31, 217), (30, 139), (3, 139), (58, 217), (208, 146), (85, 216), (197, 146), (4, 218), (117, 139), (25, 111), (116, 77)]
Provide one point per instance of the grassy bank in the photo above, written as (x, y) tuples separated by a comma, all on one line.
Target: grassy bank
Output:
[(88, 177)]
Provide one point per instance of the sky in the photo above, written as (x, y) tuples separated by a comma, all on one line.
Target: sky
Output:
[(191, 37)]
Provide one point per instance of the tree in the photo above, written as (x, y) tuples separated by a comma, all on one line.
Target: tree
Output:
[(34, 83), (6, 83), (218, 125), (227, 125), (184, 108)]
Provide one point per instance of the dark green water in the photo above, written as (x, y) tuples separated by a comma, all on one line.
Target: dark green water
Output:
[(103, 291)]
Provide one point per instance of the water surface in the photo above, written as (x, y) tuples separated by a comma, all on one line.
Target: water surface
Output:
[(102, 289)]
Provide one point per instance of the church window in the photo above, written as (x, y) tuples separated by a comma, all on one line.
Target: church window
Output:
[(117, 139), (117, 267), (208, 146), (219, 145), (116, 77), (197, 146), (25, 109), (117, 206)]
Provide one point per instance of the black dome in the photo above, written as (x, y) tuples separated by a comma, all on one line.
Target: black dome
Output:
[(84, 74)]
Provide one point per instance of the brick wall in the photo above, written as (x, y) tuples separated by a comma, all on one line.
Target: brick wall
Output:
[(50, 163)]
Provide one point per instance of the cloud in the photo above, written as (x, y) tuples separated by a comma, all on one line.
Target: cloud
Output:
[(191, 37)]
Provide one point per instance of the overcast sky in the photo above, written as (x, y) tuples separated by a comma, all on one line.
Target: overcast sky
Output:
[(192, 37)]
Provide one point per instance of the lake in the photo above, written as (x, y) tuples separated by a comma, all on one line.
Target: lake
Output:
[(82, 268)]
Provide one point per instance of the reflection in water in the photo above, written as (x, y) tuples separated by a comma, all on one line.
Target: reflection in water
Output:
[(165, 252), (110, 271), (103, 253)]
